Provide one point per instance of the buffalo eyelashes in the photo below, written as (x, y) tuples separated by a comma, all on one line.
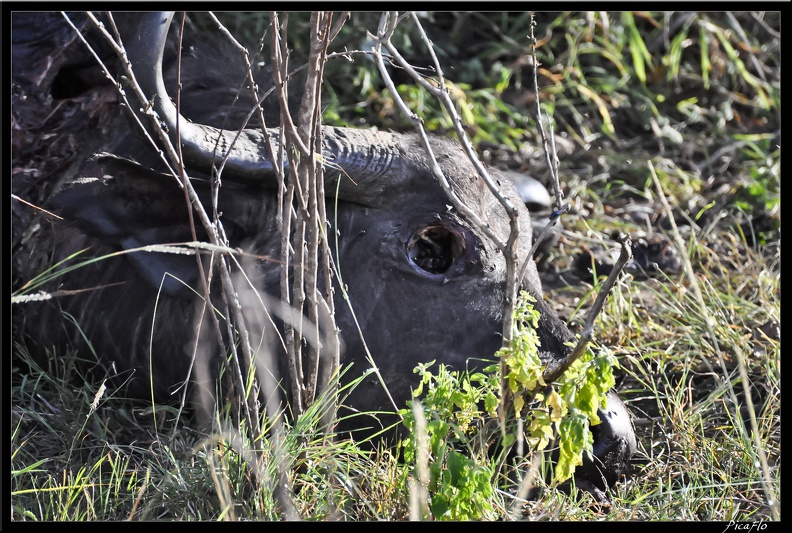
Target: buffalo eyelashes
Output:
[(435, 248)]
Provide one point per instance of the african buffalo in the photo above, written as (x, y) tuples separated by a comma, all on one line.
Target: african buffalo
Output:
[(422, 282)]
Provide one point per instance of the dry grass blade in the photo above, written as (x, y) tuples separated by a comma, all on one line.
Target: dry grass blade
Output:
[(772, 499)]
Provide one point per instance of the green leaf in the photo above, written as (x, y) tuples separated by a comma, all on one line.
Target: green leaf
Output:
[(456, 464), (574, 438)]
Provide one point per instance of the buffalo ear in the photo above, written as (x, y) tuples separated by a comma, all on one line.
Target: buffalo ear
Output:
[(127, 206)]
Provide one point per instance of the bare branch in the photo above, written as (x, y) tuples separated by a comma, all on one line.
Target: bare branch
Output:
[(550, 152), (387, 26), (250, 406), (383, 39), (553, 372)]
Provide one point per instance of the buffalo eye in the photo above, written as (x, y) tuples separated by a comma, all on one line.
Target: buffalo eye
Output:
[(435, 248)]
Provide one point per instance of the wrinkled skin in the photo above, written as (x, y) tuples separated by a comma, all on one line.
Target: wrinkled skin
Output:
[(412, 303)]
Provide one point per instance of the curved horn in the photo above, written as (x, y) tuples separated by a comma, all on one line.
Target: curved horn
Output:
[(145, 50), (364, 156)]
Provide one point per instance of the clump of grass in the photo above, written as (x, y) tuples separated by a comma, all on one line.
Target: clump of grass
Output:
[(709, 454)]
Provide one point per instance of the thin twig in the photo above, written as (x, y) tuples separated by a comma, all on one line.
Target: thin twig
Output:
[(209, 227), (437, 172), (550, 151), (551, 156), (553, 370), (385, 31)]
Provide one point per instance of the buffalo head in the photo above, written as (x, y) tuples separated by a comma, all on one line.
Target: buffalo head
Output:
[(418, 281)]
